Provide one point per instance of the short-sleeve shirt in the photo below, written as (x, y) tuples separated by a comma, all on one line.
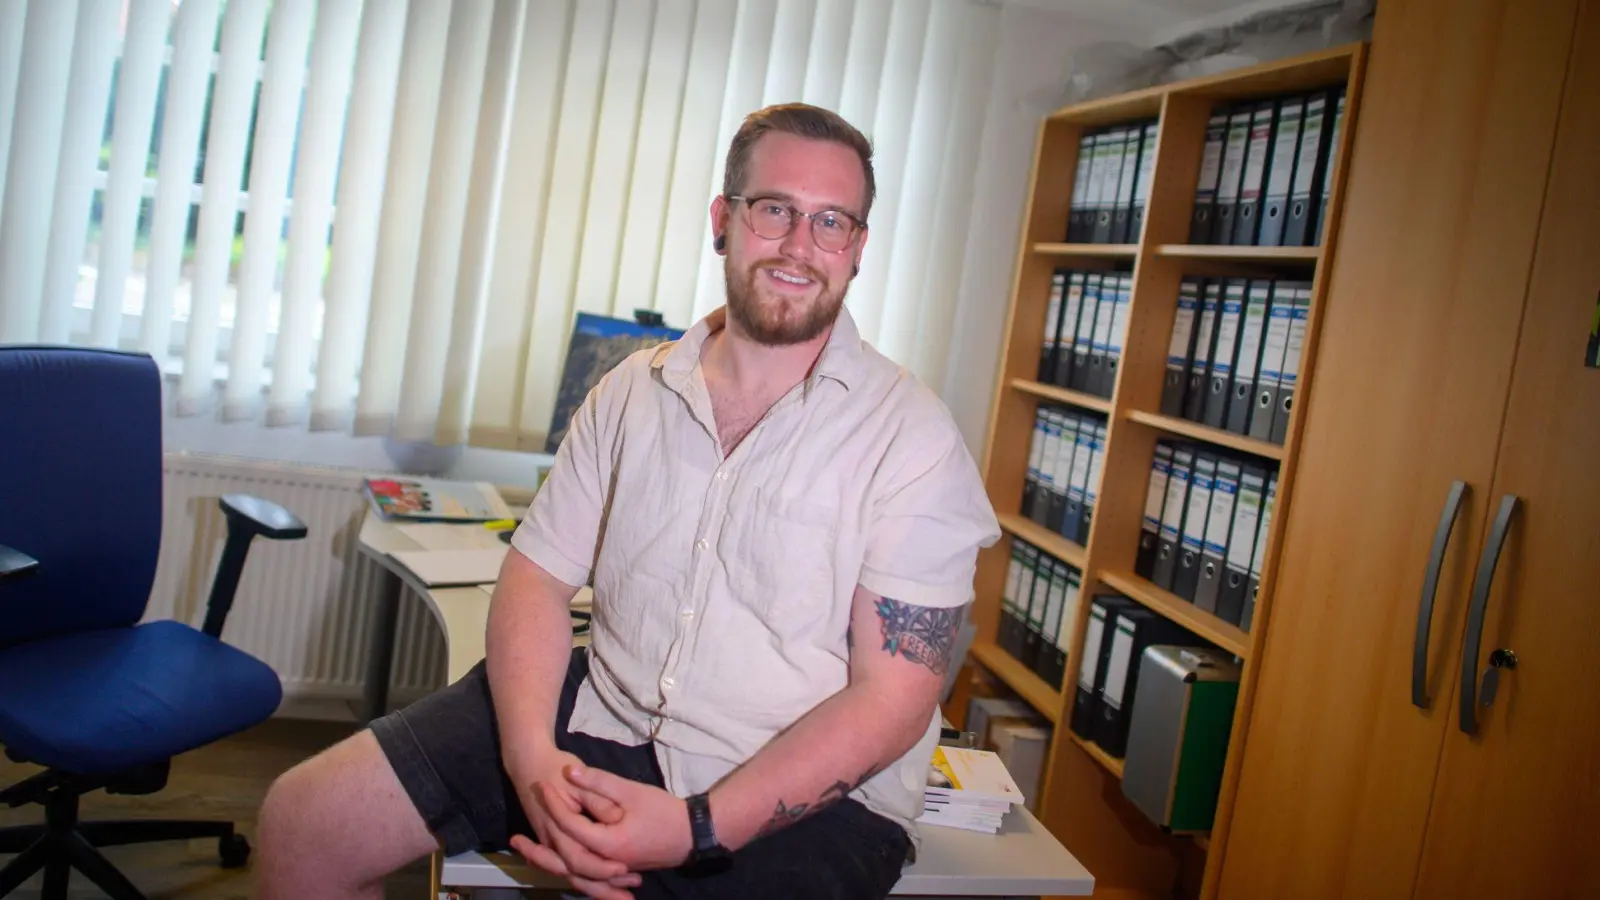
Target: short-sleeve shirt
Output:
[(723, 583)]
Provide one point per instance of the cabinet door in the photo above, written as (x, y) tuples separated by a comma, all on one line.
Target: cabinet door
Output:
[(1517, 809), (1452, 148)]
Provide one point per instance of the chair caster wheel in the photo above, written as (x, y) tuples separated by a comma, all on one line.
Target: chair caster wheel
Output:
[(234, 850)]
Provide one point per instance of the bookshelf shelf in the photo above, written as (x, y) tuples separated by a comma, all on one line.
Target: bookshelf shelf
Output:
[(1045, 539), (1224, 634), (1062, 395), (1246, 254), (1019, 678), (1101, 251), (1079, 800), (1111, 763), (1198, 432)]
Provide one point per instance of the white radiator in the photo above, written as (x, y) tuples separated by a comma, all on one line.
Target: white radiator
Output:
[(304, 607)]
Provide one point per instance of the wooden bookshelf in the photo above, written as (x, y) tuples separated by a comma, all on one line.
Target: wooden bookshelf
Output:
[(1062, 395), (1030, 687), (1207, 434), (1080, 798), (1045, 539)]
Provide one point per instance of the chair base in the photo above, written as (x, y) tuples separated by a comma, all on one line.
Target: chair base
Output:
[(63, 844)]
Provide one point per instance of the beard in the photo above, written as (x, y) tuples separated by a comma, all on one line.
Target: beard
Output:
[(776, 321)]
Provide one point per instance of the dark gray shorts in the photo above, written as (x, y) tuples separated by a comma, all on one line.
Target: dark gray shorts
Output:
[(445, 748)]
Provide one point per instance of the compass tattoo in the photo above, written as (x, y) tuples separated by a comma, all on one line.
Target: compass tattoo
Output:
[(922, 634)]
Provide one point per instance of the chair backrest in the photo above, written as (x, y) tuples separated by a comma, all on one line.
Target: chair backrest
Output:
[(80, 487)]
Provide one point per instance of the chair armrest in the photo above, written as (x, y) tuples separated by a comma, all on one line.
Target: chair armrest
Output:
[(247, 517), (262, 517), (15, 564)]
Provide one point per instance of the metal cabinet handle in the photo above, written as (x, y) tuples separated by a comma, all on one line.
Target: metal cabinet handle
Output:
[(1480, 599), (1430, 586)]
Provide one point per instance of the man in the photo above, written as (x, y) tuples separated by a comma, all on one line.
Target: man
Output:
[(781, 528)]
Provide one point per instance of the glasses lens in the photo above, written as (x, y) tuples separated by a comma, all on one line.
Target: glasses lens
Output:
[(769, 219), (832, 231)]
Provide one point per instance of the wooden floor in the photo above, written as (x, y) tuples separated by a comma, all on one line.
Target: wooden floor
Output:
[(224, 781)]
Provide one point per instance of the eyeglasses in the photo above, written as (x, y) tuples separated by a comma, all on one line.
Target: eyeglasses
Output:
[(833, 230)]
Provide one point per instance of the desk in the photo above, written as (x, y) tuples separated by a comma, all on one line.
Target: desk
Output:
[(1023, 860)]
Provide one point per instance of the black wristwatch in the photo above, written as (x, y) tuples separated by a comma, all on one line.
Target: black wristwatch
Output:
[(706, 849)]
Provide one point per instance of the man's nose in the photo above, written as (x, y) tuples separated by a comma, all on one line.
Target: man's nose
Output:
[(797, 244)]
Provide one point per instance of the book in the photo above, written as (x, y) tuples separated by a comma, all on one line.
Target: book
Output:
[(407, 498), (597, 345), (968, 789)]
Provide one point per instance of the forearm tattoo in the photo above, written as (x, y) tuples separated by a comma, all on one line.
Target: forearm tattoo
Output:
[(922, 634), (785, 815)]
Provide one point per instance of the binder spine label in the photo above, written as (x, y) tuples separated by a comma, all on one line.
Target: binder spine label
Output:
[(1061, 453), (1097, 465), (1036, 448), (1119, 319), (1013, 579), (1160, 469), (1208, 321), (1211, 158), (1277, 342), (1281, 175), (1255, 314), (1117, 668), (1052, 319), (1105, 315), (1194, 522), (1228, 330), (1093, 633), (1080, 464), (1297, 335), (1057, 597), (1069, 321), (1246, 519), (1147, 171), (1255, 164), (1177, 492), (1310, 147), (1224, 491), (1259, 557), (1182, 329), (1233, 154), (1069, 607), (1130, 168), (1080, 178)]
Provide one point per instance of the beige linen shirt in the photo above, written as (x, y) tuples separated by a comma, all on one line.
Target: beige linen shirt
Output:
[(723, 584)]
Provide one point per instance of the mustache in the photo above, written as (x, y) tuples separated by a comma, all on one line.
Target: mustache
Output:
[(802, 268)]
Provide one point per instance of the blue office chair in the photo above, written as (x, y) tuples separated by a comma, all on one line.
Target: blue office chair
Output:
[(85, 691)]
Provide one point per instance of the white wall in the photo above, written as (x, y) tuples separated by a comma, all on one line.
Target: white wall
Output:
[(1032, 63)]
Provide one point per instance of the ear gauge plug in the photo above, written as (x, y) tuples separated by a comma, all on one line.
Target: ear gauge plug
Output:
[(855, 269), (719, 243)]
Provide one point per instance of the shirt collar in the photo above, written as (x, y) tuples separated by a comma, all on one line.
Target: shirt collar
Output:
[(841, 358)]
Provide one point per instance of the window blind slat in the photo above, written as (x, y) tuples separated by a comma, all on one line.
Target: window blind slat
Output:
[(569, 184), (908, 265), (747, 76), (31, 173), (508, 314), (863, 66), (684, 239), (951, 218), (88, 96), (333, 52), (416, 111), (242, 28), (363, 165), (897, 92), (481, 234), (829, 53), (791, 46), (283, 79), (13, 21), (610, 176), (138, 80), (193, 32), (660, 117)]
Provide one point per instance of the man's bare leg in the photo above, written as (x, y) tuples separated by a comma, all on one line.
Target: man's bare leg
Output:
[(334, 826)]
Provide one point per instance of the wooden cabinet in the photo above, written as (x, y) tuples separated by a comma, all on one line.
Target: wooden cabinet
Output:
[(1451, 354)]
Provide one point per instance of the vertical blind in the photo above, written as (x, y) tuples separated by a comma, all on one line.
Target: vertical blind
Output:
[(383, 216)]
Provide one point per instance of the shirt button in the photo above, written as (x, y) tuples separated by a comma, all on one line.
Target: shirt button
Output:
[(688, 614), (722, 476), (667, 682), (701, 544)]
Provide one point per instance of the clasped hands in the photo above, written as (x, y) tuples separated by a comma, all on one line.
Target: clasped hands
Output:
[(597, 829)]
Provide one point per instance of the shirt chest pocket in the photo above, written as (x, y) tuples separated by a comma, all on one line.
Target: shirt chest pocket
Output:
[(780, 552)]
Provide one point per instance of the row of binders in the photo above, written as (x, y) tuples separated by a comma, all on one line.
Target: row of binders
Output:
[(1085, 329), (1266, 169), (1204, 531), (1111, 184), (1117, 634), (1066, 459), (1038, 609), (1234, 355)]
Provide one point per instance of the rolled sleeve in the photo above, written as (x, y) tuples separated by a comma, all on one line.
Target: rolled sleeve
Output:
[(562, 527), (922, 546)]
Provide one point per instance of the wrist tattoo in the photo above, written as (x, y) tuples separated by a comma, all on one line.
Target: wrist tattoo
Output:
[(922, 634), (785, 815)]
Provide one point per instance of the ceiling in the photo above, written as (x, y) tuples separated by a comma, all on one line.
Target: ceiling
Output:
[(1157, 21)]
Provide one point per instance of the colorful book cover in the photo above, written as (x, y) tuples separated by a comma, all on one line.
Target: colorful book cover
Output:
[(959, 773), (435, 500), (598, 344)]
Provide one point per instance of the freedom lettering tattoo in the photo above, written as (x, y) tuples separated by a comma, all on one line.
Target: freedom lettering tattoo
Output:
[(921, 634)]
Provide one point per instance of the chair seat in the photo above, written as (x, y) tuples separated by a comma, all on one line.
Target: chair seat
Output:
[(99, 702)]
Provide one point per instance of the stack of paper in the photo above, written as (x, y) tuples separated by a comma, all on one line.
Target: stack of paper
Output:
[(968, 789)]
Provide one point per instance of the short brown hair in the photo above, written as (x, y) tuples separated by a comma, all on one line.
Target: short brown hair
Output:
[(802, 120)]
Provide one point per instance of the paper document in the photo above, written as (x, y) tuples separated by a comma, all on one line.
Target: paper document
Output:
[(438, 536), (453, 568)]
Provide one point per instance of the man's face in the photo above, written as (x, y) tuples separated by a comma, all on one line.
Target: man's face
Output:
[(789, 290)]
